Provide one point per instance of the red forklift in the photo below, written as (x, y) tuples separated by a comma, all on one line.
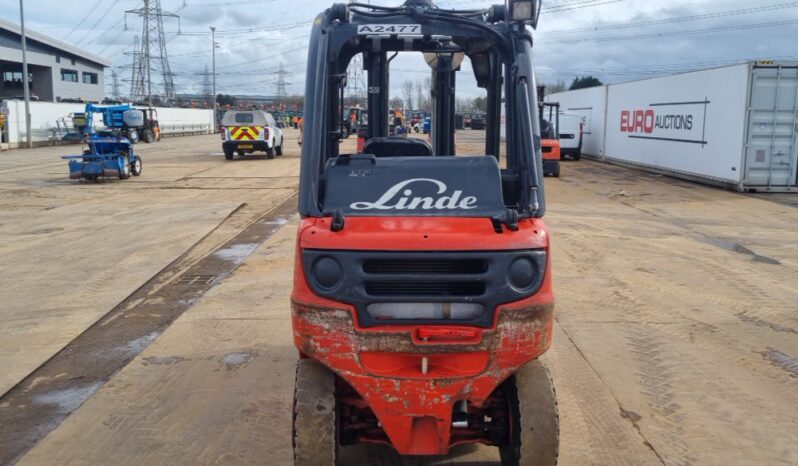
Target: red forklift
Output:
[(422, 294), (549, 114)]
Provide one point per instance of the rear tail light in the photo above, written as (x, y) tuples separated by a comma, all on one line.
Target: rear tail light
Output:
[(265, 133), (221, 133)]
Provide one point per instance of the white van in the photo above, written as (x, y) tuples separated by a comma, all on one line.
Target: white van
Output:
[(571, 129)]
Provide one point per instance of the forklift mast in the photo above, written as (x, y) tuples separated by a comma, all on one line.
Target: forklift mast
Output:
[(500, 54)]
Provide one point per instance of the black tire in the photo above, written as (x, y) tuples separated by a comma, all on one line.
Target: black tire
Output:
[(228, 154), (147, 136), (315, 436), (136, 166), (345, 132), (124, 172), (133, 136), (535, 422), (270, 153), (279, 149), (577, 156), (556, 172)]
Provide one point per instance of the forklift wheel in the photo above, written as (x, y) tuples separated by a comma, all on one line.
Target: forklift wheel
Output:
[(135, 167), (315, 415), (534, 419), (270, 153)]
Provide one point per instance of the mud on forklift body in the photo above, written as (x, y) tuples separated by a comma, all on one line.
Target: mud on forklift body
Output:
[(422, 288)]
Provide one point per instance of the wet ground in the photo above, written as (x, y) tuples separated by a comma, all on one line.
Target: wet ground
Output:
[(146, 321)]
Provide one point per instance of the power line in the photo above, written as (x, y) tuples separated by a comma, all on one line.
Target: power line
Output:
[(82, 20), (681, 19), (655, 35), (96, 23)]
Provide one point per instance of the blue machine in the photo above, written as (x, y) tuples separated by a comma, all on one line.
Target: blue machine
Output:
[(110, 155), (114, 119), (107, 157)]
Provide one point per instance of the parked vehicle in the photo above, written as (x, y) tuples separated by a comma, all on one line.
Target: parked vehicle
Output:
[(422, 293), (570, 132), (108, 156), (247, 131), (119, 120), (478, 122)]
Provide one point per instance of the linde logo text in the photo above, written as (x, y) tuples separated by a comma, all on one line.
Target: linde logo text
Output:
[(648, 121), (400, 197)]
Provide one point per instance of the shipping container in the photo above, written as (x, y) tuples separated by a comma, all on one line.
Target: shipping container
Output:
[(590, 105), (734, 126)]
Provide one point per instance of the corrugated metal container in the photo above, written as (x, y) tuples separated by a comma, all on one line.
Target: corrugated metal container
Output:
[(734, 126)]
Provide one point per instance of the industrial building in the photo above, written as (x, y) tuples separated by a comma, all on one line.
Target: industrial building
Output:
[(56, 71)]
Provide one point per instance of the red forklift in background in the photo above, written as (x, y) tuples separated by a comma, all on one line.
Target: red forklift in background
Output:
[(549, 114), (422, 294)]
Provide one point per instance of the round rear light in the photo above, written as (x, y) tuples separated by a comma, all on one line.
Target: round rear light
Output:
[(327, 272), (522, 273)]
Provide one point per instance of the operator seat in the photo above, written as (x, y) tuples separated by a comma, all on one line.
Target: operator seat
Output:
[(397, 146)]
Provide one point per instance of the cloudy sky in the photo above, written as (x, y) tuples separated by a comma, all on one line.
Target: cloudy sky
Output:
[(615, 40)]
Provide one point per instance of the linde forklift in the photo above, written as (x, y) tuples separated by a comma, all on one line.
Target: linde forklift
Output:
[(422, 293)]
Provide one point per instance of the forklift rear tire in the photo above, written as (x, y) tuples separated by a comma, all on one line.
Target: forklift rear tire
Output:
[(534, 419), (315, 436), (345, 132), (270, 153), (147, 136), (135, 167)]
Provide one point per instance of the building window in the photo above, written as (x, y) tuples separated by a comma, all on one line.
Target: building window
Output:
[(73, 62), (13, 79), (89, 78), (69, 76), (57, 59)]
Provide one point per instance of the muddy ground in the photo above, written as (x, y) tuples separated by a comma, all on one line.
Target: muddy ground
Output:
[(147, 322)]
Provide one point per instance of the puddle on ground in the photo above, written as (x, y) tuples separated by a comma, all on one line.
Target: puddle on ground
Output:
[(236, 359), (281, 220), (236, 253), (136, 346), (782, 360), (68, 399), (740, 249), (162, 361)]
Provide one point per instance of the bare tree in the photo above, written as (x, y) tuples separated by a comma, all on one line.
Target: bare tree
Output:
[(407, 93), (396, 102), (559, 86)]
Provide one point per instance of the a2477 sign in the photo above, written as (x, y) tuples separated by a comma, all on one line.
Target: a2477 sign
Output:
[(668, 121)]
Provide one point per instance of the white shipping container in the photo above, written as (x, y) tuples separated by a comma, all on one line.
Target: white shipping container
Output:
[(590, 105), (735, 126)]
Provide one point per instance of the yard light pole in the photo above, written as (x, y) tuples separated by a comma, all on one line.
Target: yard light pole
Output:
[(25, 83), (213, 86)]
